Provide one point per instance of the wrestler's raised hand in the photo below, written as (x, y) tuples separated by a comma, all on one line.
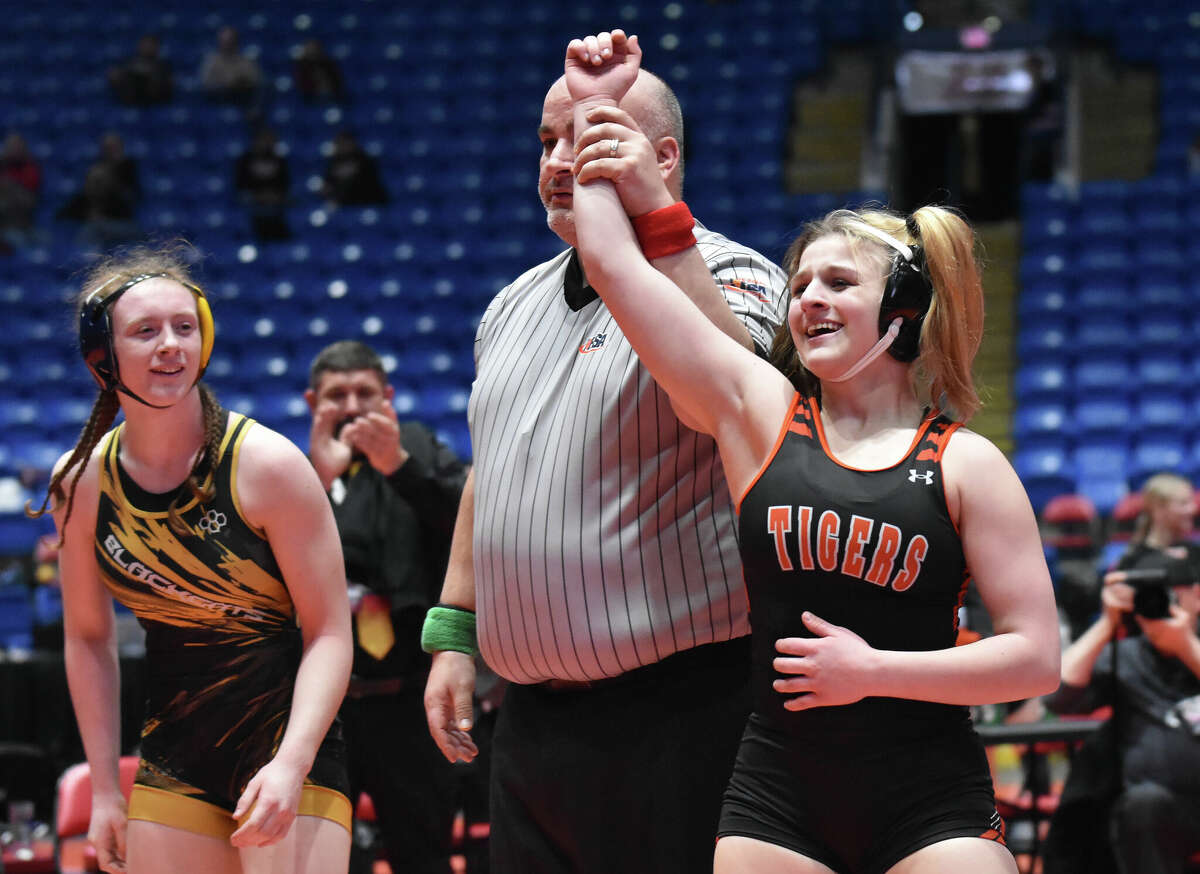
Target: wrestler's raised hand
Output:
[(602, 67)]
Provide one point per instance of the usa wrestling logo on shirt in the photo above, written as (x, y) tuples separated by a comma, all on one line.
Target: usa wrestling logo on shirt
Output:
[(592, 343), (756, 291)]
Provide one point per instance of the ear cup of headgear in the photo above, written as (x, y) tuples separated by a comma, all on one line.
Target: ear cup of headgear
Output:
[(208, 333), (907, 296), (95, 342)]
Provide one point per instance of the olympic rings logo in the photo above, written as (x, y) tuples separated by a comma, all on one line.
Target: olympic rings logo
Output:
[(212, 522)]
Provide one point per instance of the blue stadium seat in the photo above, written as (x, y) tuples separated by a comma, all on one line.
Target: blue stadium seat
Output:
[(1191, 463), (457, 436), (37, 455), (267, 367), (1109, 220), (1053, 223), (1157, 218), (1101, 334), (283, 409), (1100, 458), (1159, 413), (1044, 297), (436, 404), (1100, 295), (1163, 333), (1102, 375), (1045, 472), (1151, 456), (64, 412), (1159, 254), (1103, 417), (1045, 339), (1103, 490), (1161, 370), (16, 617), (1040, 381), (1040, 424), (1109, 258), (1163, 297)]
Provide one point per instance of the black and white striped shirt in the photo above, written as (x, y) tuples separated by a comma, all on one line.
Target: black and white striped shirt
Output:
[(604, 535)]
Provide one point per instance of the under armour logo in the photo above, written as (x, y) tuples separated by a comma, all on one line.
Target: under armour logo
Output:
[(915, 475), (212, 522)]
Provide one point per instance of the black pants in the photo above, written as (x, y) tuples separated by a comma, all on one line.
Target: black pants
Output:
[(394, 760), (1154, 830), (623, 777)]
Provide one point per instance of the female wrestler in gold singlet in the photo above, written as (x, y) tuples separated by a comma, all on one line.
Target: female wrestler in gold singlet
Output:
[(216, 532)]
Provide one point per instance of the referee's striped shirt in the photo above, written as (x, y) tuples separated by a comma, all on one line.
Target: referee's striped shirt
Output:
[(604, 535)]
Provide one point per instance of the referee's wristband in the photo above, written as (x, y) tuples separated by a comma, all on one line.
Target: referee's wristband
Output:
[(449, 628), (665, 231)]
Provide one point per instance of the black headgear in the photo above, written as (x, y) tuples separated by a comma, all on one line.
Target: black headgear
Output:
[(907, 296), (96, 334)]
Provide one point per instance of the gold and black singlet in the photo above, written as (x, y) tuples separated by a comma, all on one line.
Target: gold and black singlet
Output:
[(222, 646)]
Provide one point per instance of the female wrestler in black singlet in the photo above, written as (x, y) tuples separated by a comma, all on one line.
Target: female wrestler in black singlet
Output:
[(864, 512), (217, 534)]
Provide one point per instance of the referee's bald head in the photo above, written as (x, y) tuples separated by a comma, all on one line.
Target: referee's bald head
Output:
[(657, 111), (654, 108)]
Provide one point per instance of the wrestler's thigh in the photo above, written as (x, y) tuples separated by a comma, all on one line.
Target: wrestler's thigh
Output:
[(741, 855), (154, 848), (313, 845), (977, 855)]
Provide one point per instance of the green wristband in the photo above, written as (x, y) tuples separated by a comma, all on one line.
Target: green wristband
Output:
[(449, 628)]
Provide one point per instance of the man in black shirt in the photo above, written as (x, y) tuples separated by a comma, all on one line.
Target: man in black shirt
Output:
[(395, 490), (1152, 682)]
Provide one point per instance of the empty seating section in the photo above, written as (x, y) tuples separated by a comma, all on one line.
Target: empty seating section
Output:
[(1108, 343), (454, 131)]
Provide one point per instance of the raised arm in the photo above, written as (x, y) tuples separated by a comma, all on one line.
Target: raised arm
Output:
[(93, 671), (715, 383), (639, 169), (280, 492)]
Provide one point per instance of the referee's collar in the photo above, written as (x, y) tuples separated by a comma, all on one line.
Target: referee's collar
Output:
[(576, 291)]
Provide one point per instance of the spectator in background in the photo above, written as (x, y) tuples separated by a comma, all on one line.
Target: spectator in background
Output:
[(394, 489), (107, 202), (1139, 777), (145, 78), (20, 186), (263, 180), (1194, 156), (318, 76), (352, 176), (228, 74)]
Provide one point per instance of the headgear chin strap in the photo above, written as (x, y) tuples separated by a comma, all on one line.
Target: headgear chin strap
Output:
[(96, 334), (881, 346)]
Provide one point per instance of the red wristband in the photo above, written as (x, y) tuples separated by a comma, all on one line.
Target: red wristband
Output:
[(665, 231)]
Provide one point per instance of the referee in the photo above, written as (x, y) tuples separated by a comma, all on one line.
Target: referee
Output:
[(595, 548)]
